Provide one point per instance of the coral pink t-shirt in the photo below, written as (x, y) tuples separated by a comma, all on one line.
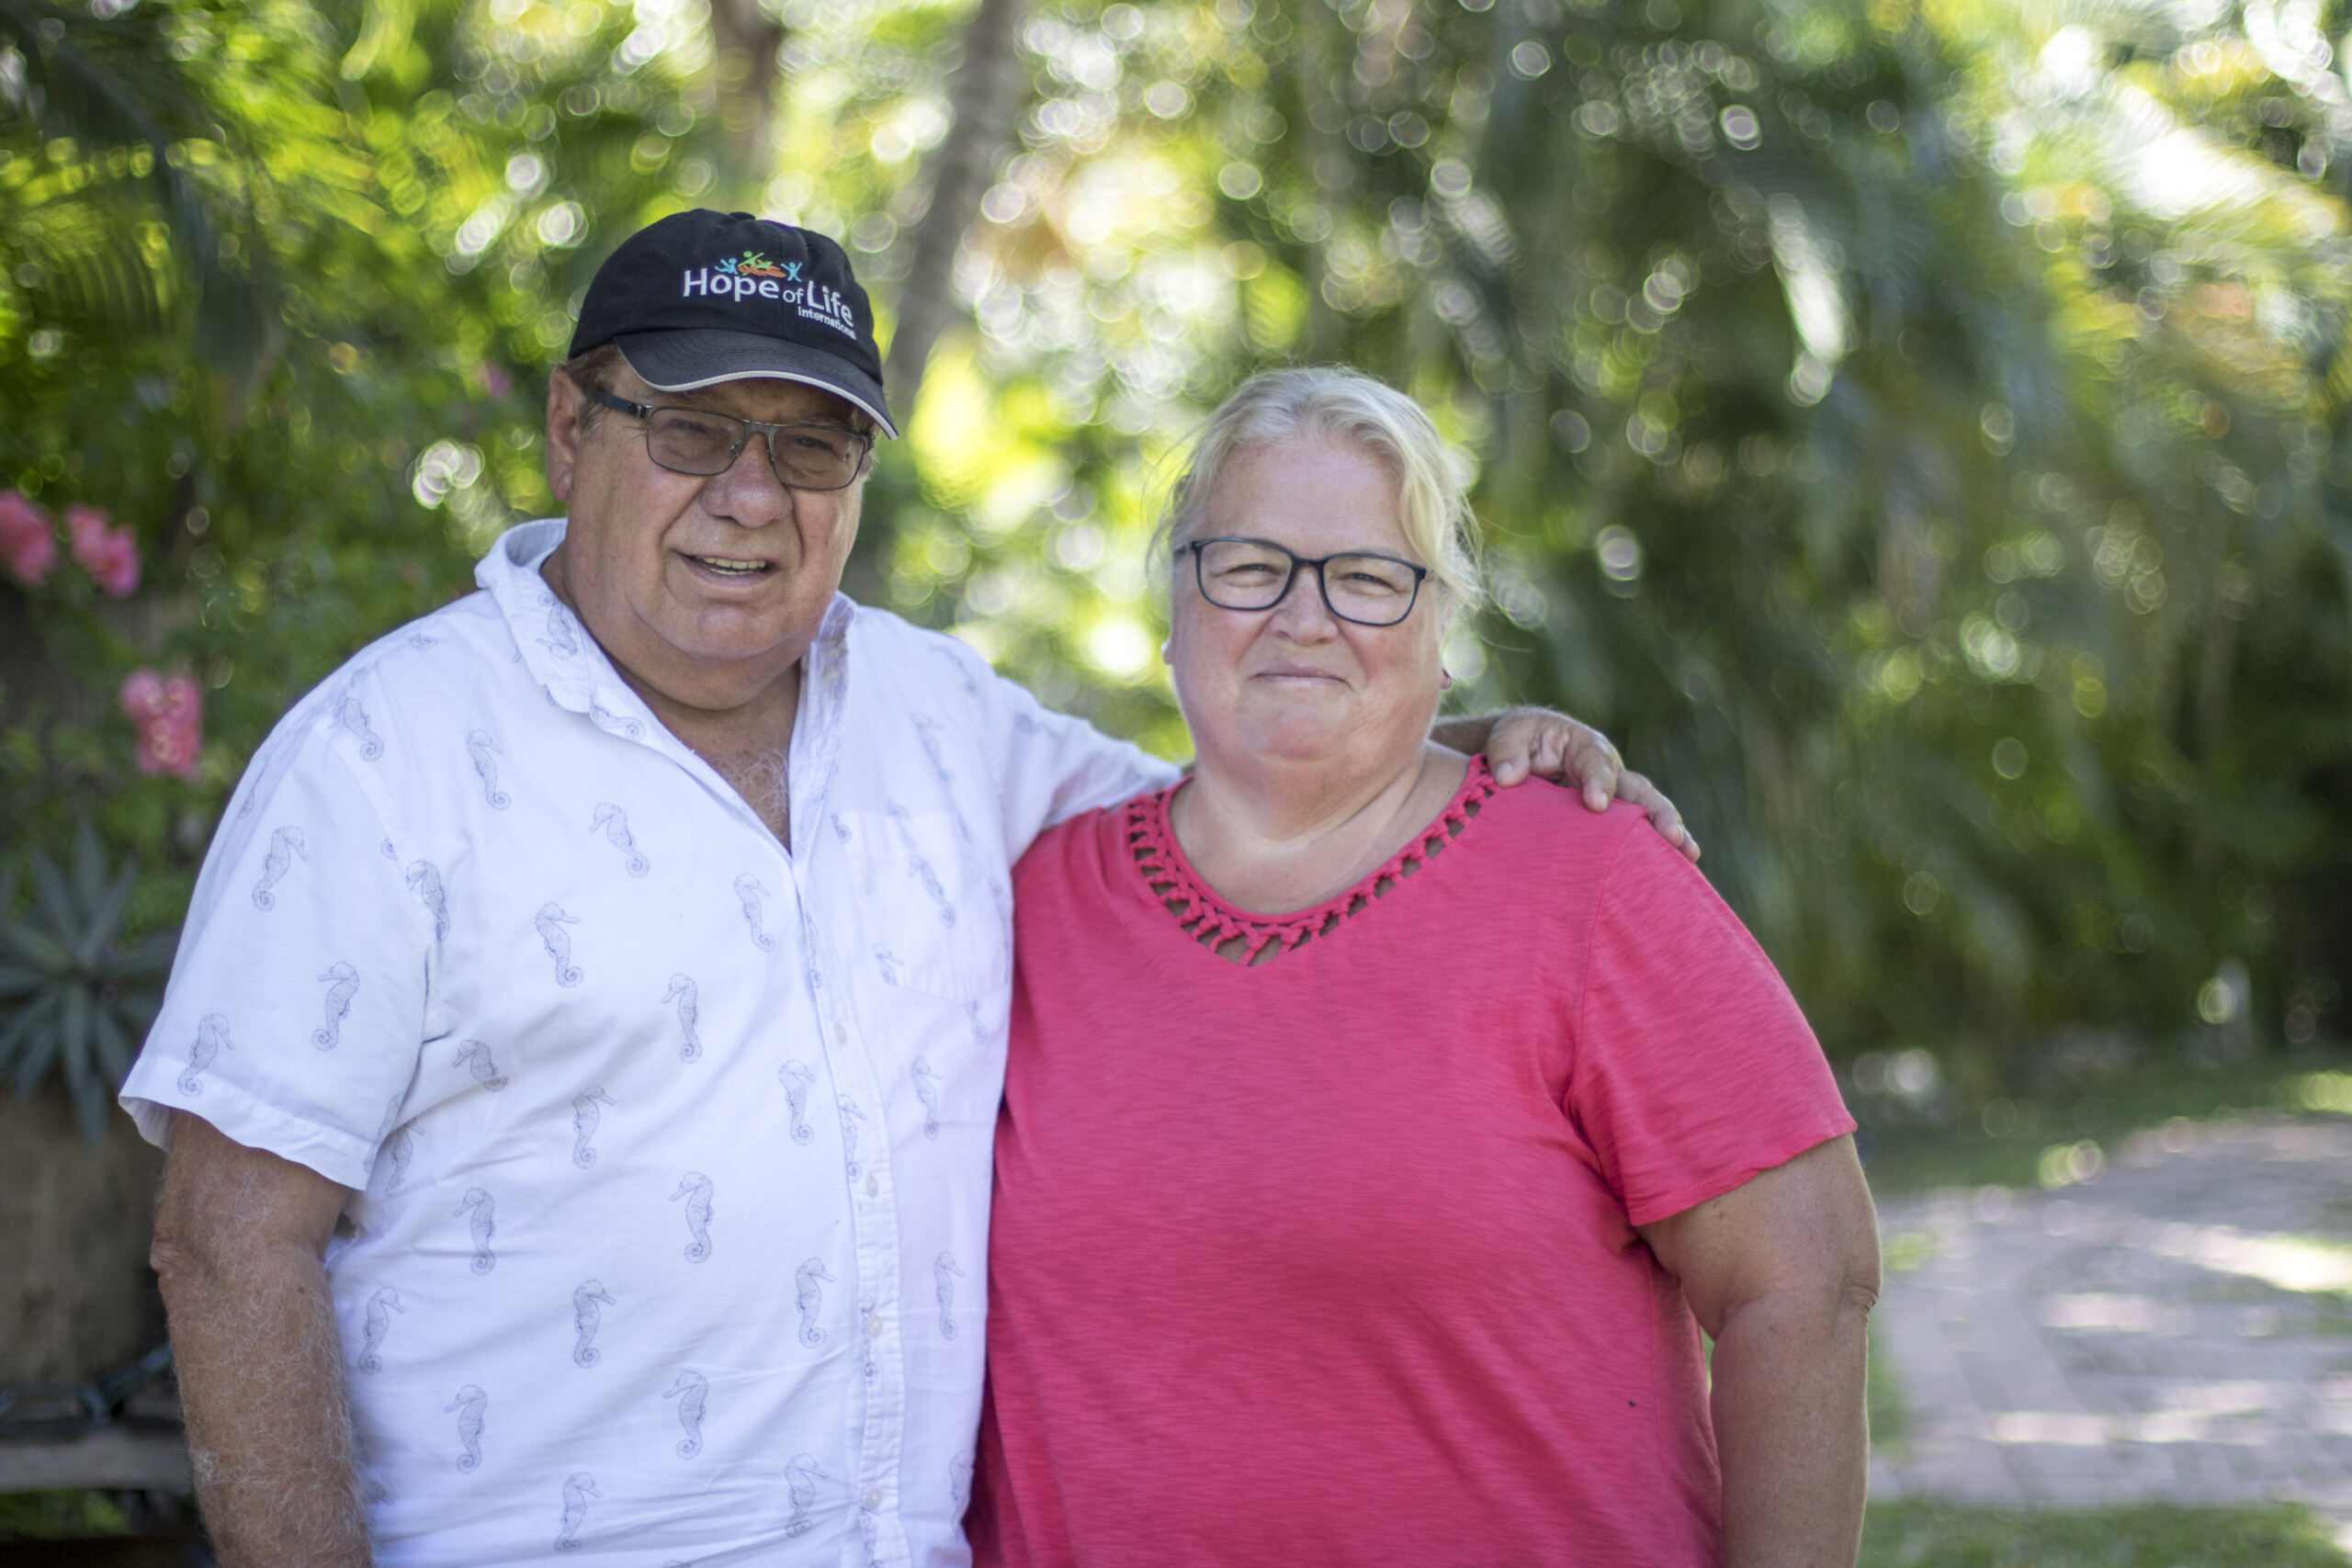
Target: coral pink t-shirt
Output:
[(1330, 1260)]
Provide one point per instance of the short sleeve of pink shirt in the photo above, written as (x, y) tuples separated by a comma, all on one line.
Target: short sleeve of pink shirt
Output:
[(1692, 1069)]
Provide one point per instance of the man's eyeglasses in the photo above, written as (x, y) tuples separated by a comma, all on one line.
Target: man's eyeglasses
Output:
[(696, 441), (1256, 574)]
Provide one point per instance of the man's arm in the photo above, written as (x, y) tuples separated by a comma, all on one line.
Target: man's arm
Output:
[(239, 1235), (1523, 741), (1782, 1272)]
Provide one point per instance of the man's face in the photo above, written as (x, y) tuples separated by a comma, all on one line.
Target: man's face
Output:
[(706, 589)]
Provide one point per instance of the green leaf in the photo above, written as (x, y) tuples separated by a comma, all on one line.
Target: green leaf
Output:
[(105, 916), (151, 955), (74, 1026), (114, 1049), (28, 1043), (55, 902), (89, 869), (88, 1086), (45, 952)]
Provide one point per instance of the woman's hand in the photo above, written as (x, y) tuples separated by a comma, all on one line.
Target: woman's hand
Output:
[(1520, 741)]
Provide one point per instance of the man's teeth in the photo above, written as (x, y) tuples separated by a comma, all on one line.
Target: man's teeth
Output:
[(735, 567)]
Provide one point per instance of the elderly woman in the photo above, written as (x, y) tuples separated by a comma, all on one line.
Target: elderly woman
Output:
[(1348, 1210)]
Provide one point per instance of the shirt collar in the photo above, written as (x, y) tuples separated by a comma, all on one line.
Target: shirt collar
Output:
[(575, 673)]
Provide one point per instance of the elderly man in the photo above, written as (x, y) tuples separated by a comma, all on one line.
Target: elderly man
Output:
[(581, 1060)]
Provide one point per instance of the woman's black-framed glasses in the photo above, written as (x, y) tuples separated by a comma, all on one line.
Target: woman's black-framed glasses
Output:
[(1256, 574), (696, 441)]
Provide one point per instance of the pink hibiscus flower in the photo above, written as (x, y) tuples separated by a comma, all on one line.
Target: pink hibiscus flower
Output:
[(169, 713), (109, 554), (28, 543)]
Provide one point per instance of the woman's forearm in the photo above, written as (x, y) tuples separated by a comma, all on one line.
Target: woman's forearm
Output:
[(1791, 1429)]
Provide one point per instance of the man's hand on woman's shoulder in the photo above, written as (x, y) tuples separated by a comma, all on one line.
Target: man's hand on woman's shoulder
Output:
[(1525, 742)]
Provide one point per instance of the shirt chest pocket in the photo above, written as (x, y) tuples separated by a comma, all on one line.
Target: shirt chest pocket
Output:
[(936, 919)]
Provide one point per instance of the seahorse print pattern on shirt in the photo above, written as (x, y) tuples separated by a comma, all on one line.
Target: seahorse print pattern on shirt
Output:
[(479, 1206), (469, 1406), (285, 848), (801, 1474), (353, 719), (584, 1118), (944, 1274), (586, 1315), (796, 1077), (474, 1057), (749, 889), (690, 1390), (550, 921), (424, 881), (343, 983), (809, 1282), (612, 822), (380, 1307), (485, 752), (211, 1039), (851, 1117), (694, 1188), (927, 1092), (683, 991), (576, 1493)]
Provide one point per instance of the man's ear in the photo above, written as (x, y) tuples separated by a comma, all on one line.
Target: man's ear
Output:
[(566, 400)]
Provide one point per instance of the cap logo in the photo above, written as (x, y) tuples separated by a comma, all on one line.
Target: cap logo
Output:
[(752, 277)]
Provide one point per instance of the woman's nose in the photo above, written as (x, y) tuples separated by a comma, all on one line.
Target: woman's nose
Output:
[(1302, 615)]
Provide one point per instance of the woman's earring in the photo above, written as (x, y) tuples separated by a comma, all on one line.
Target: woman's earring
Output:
[(1444, 678)]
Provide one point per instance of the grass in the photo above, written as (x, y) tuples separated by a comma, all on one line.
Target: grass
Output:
[(2000, 1141), (2156, 1535), (1889, 1425), (68, 1515)]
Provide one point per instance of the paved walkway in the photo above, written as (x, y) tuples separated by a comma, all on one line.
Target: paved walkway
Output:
[(2177, 1329)]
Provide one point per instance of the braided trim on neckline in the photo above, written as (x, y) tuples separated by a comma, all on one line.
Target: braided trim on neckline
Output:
[(1209, 920)]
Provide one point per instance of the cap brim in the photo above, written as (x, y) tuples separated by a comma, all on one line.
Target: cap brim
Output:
[(704, 356)]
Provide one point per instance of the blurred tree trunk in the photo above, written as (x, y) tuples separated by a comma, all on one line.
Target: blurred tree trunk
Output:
[(981, 101), (74, 1293), (747, 37)]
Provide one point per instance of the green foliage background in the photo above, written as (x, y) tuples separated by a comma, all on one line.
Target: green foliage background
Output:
[(1915, 429)]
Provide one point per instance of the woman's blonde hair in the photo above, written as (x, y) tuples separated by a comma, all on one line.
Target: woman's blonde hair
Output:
[(1344, 407)]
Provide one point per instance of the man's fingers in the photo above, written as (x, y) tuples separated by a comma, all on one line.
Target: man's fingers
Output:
[(1637, 788)]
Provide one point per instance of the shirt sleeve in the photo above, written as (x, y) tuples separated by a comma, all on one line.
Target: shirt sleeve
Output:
[(1694, 1070), (1050, 766), (294, 1018)]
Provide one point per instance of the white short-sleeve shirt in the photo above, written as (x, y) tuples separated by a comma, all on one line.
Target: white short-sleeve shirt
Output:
[(668, 1145)]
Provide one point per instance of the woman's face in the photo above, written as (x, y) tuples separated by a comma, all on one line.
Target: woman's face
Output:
[(1295, 683)]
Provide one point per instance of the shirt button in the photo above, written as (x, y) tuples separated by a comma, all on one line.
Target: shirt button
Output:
[(874, 1327), (841, 1034), (874, 1187), (872, 1498)]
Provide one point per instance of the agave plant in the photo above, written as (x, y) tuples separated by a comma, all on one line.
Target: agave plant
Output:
[(73, 998)]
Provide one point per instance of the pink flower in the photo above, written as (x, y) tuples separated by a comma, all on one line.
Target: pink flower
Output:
[(28, 543), (109, 555), (169, 713), (493, 378)]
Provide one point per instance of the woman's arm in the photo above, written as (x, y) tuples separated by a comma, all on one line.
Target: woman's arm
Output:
[(1782, 1271)]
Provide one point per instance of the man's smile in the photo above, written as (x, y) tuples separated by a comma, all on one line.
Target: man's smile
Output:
[(730, 565)]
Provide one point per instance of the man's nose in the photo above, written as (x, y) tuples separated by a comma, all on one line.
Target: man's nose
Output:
[(748, 493)]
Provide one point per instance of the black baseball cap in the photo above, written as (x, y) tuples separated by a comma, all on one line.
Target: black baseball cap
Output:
[(704, 297)]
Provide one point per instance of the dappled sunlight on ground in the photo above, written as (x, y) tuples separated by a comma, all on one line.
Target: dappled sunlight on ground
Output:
[(2176, 1329)]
